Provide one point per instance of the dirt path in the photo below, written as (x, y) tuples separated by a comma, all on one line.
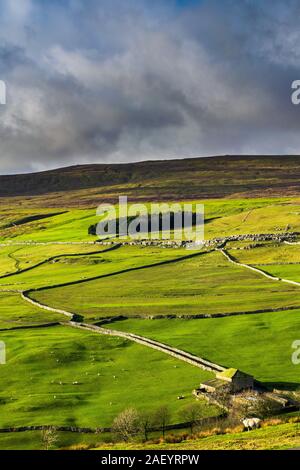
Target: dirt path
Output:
[(15, 259)]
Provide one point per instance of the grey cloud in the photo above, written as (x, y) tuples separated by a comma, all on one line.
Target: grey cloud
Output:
[(125, 82)]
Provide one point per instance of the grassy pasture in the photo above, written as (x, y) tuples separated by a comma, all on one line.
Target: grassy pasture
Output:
[(44, 363), (258, 344), (271, 217), (8, 260), (68, 226), (207, 284), (15, 258), (268, 254), (285, 271), (15, 312), (112, 374), (280, 260), (68, 269), (223, 217)]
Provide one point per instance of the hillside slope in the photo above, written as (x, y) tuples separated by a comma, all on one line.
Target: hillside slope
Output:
[(198, 178)]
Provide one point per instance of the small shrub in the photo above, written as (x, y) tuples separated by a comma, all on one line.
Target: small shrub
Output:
[(173, 439), (209, 432), (234, 430), (271, 422), (295, 419), (79, 447)]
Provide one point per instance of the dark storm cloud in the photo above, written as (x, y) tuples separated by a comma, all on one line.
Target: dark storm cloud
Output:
[(121, 81)]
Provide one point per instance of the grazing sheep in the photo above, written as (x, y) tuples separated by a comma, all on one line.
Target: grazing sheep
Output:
[(251, 423)]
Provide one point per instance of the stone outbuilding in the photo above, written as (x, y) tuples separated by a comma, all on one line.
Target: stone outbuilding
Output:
[(233, 380)]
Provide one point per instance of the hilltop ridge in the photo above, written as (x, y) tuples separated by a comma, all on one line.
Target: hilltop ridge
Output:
[(192, 178)]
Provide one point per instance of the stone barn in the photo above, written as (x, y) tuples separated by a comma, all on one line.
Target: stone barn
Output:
[(233, 380)]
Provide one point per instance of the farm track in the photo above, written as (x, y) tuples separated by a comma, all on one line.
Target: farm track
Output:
[(16, 260)]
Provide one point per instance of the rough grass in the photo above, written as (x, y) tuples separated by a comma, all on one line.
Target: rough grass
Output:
[(283, 436), (223, 176), (32, 440), (276, 437)]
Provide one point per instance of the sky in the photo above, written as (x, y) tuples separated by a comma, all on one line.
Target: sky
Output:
[(127, 80)]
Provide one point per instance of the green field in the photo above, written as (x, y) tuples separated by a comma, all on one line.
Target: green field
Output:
[(43, 365), (223, 217), (17, 258), (268, 254), (140, 283), (205, 284), (66, 269), (15, 312), (258, 344)]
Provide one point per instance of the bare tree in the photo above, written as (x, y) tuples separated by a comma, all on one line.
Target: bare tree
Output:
[(126, 425), (162, 418), (254, 405), (146, 423), (265, 407), (192, 413), (49, 438), (223, 397)]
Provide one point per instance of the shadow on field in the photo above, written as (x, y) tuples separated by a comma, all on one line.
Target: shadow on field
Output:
[(287, 386)]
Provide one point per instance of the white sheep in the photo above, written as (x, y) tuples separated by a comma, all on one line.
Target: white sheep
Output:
[(251, 423)]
